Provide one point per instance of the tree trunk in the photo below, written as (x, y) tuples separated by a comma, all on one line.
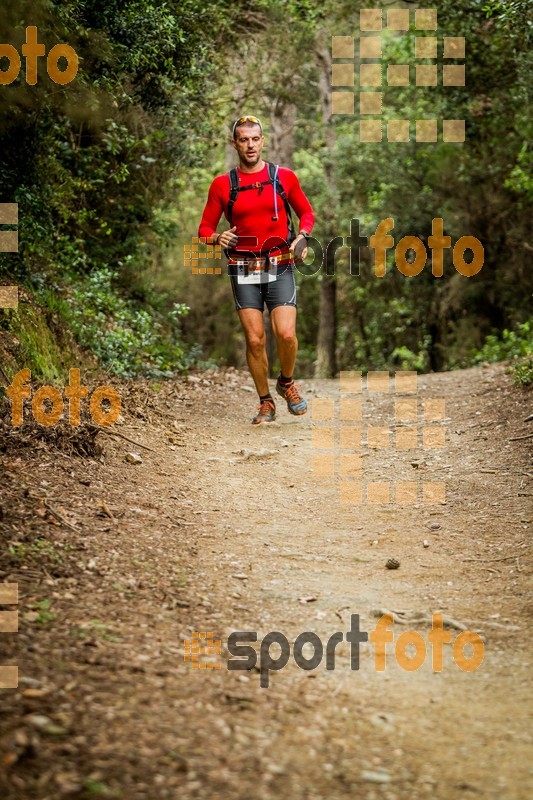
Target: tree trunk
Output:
[(326, 362), (280, 144), (326, 365)]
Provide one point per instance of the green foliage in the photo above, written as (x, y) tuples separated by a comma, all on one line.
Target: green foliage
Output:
[(126, 337), (36, 341), (523, 372), (44, 614), (111, 174), (90, 164), (94, 788), (507, 344), (481, 188), (511, 345), (406, 359)]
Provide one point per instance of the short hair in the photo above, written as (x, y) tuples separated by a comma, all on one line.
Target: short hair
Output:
[(248, 120)]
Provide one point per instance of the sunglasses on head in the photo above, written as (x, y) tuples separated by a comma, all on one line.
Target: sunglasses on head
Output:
[(242, 120)]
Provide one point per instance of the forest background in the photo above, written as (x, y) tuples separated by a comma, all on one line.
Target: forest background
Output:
[(111, 172)]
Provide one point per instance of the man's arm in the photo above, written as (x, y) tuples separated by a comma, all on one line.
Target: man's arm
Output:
[(214, 208), (300, 203), (211, 215)]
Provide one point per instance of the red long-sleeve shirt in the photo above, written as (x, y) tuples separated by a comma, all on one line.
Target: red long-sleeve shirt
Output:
[(253, 210)]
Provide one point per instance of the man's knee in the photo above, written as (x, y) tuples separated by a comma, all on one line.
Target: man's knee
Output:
[(287, 336), (256, 343)]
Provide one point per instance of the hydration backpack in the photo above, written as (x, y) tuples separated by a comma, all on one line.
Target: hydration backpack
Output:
[(273, 179)]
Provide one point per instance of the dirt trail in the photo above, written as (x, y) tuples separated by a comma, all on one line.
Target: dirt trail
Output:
[(203, 537)]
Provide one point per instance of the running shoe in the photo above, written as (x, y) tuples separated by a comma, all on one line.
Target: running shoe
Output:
[(295, 402), (266, 413)]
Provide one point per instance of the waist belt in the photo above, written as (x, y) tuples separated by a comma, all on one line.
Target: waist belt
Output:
[(260, 264)]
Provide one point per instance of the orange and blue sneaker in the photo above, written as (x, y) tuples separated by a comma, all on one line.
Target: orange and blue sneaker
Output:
[(295, 402), (266, 413)]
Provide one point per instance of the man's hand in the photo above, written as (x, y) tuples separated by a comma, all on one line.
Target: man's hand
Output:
[(228, 238), (299, 249)]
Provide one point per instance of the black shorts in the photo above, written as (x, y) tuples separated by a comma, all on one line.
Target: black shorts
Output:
[(279, 292)]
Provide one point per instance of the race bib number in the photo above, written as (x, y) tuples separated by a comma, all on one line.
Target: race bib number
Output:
[(259, 275)]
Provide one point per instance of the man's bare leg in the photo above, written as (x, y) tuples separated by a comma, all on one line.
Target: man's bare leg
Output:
[(256, 357), (283, 319)]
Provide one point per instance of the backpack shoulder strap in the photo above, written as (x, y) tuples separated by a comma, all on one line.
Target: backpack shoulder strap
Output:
[(273, 174), (233, 192)]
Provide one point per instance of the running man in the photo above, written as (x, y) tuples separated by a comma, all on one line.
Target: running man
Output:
[(262, 249)]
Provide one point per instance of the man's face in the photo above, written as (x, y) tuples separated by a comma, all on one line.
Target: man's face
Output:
[(248, 143)]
